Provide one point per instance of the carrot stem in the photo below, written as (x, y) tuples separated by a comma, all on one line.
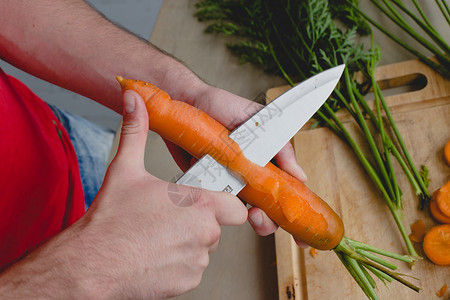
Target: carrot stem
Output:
[(272, 52), (380, 127), (440, 68), (368, 134), (367, 275), (332, 126), (359, 245), (426, 27), (377, 259), (343, 258), (288, 53), (422, 14), (393, 149), (358, 270), (375, 178), (399, 21), (397, 192), (400, 140), (444, 9), (370, 170), (347, 248), (382, 276), (346, 104)]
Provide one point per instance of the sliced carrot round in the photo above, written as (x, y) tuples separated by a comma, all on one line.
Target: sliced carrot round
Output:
[(443, 199), (436, 244), (447, 153), (437, 215), (435, 212)]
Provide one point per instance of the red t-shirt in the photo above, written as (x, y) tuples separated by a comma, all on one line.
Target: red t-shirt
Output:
[(40, 185)]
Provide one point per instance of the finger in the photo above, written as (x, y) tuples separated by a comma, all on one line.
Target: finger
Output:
[(229, 210), (214, 246), (301, 244), (286, 160), (193, 161), (134, 133), (260, 222), (181, 157)]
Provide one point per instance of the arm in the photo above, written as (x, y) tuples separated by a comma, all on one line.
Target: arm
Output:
[(71, 45), (68, 43)]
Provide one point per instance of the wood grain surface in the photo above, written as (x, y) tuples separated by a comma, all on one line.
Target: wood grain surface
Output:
[(423, 118)]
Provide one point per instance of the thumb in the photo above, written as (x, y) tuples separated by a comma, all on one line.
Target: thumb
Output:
[(134, 133), (229, 209)]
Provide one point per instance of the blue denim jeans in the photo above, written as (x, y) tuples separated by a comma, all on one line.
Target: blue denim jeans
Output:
[(92, 145)]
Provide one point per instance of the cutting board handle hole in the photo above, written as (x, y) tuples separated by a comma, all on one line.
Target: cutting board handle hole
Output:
[(400, 85)]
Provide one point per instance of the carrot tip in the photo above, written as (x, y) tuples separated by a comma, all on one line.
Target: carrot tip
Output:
[(119, 78)]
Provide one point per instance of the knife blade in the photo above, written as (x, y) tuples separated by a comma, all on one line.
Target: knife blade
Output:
[(263, 135)]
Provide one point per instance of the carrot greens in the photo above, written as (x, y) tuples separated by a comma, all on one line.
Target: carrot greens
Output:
[(298, 39), (415, 23), (310, 43)]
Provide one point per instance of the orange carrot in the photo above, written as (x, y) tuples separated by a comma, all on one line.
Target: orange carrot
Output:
[(442, 291), (437, 215), (443, 199), (285, 199), (447, 153), (436, 244), (313, 252), (418, 231)]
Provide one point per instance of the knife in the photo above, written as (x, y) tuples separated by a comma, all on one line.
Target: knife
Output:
[(263, 135)]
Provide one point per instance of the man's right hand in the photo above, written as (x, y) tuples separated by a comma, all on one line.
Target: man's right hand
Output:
[(141, 238), (154, 238)]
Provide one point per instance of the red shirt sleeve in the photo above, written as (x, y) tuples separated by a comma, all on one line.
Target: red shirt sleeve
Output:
[(40, 185)]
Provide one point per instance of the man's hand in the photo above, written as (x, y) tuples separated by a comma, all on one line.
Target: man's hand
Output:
[(168, 231), (141, 238), (231, 110)]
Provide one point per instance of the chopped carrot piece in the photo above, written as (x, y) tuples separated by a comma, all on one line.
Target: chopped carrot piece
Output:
[(418, 231), (436, 244), (442, 291), (443, 199), (447, 153), (313, 252)]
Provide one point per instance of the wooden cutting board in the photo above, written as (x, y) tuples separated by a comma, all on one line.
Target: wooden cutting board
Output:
[(423, 118)]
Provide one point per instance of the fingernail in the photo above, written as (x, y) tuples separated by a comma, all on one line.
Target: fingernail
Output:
[(256, 218), (129, 104), (303, 173)]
